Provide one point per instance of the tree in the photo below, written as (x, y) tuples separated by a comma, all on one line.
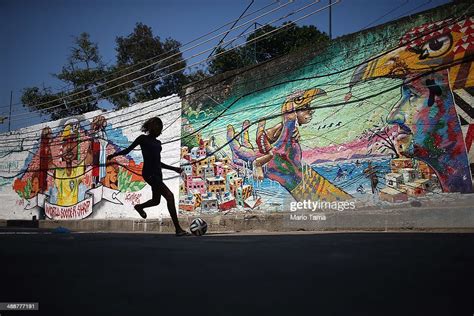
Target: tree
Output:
[(197, 75), (380, 139), (148, 68), (82, 73), (227, 60), (277, 43), (138, 56)]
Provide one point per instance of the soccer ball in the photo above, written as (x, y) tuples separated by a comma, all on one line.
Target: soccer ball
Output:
[(198, 227)]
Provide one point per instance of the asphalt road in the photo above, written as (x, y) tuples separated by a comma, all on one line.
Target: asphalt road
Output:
[(320, 274)]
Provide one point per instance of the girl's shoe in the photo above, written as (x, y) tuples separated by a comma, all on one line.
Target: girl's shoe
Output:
[(182, 233), (140, 211)]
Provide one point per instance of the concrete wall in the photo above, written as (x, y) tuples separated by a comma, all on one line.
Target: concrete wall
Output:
[(38, 178), (384, 116)]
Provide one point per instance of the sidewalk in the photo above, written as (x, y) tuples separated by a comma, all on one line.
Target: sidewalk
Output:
[(444, 218)]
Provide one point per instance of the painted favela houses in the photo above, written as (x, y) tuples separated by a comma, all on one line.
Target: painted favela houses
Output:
[(58, 170), (380, 116)]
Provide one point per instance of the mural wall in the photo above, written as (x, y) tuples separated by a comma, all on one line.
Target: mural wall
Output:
[(58, 170), (381, 116)]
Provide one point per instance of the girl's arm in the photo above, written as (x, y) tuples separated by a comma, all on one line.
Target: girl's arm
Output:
[(135, 143)]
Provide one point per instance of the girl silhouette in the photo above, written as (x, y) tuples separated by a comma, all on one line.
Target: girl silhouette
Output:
[(152, 173)]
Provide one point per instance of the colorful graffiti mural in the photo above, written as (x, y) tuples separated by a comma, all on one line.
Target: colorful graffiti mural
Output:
[(68, 174), (359, 121), (427, 115), (63, 173), (381, 116)]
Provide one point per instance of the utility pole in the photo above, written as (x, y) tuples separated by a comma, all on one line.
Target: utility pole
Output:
[(9, 122), (330, 19), (255, 42), (10, 116)]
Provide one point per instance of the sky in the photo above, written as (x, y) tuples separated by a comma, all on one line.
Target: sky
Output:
[(37, 34)]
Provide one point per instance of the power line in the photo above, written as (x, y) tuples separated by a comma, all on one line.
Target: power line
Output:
[(280, 114), (388, 13), (169, 74), (471, 58), (141, 114), (307, 78), (261, 89), (153, 110), (231, 28), (289, 70), (160, 61), (267, 34), (445, 66), (365, 61), (244, 129), (166, 52)]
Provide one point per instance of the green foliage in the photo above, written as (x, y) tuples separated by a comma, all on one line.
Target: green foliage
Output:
[(197, 76), (228, 60), (139, 52), (125, 183), (277, 43), (137, 77), (82, 73), (34, 97)]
